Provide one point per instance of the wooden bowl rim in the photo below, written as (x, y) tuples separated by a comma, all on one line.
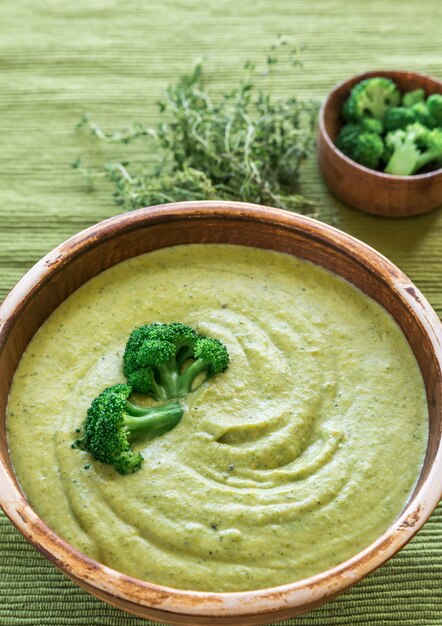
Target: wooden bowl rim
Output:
[(307, 592), (338, 153)]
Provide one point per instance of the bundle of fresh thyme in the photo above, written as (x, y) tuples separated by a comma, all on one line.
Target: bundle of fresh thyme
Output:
[(245, 145)]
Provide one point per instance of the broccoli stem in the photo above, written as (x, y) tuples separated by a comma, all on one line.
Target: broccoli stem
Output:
[(404, 159), (425, 158), (134, 410), (174, 384), (167, 383), (151, 421), (158, 391), (183, 353), (188, 376)]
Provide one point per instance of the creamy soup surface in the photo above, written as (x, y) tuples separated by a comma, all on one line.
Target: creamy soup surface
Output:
[(298, 456)]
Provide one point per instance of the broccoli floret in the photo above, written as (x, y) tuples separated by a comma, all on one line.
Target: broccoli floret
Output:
[(430, 144), (423, 115), (170, 360), (371, 97), (434, 106), (372, 125), (399, 117), (401, 152), (413, 97), (412, 149), (113, 423), (360, 145)]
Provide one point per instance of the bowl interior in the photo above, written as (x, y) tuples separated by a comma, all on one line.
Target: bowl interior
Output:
[(73, 263)]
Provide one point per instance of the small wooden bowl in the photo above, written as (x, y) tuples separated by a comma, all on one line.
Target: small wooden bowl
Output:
[(74, 262), (369, 190)]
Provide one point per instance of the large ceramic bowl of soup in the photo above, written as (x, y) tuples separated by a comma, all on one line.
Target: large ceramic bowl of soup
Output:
[(303, 467)]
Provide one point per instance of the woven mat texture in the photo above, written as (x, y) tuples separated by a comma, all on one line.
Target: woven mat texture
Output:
[(114, 58)]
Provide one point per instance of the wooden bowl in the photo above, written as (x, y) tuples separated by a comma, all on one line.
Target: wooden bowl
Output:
[(369, 190), (101, 246)]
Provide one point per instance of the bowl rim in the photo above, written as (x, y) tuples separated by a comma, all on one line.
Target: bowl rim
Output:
[(309, 591), (383, 176)]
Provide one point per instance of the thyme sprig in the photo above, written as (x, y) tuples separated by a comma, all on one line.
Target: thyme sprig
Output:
[(244, 145)]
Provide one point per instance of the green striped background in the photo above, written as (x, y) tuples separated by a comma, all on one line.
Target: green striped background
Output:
[(59, 58)]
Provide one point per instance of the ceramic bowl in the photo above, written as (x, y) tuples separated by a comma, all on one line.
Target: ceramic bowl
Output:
[(369, 190), (74, 262)]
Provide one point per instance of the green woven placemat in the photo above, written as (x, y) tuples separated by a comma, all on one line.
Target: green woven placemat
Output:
[(114, 57)]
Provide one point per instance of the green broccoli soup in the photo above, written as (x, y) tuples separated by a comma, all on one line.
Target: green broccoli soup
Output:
[(298, 455)]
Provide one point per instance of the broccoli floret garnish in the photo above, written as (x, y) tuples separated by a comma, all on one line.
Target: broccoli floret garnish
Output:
[(399, 117), (413, 97), (170, 360), (362, 146), (411, 149), (371, 98), (113, 423)]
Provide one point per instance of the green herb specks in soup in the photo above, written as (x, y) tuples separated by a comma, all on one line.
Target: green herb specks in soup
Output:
[(295, 458)]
